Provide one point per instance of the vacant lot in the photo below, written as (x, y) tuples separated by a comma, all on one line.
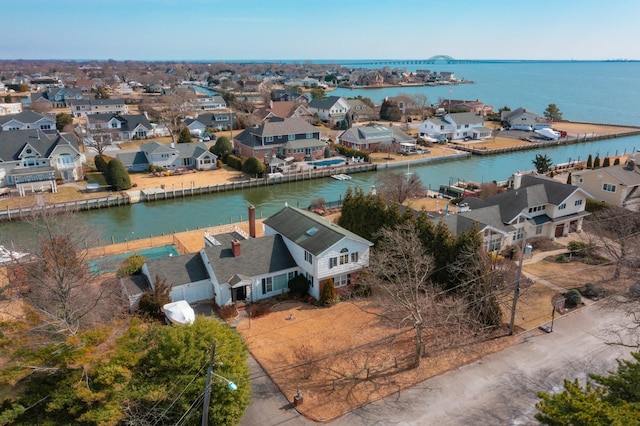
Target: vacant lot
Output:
[(346, 356)]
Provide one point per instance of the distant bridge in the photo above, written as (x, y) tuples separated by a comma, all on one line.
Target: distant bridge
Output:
[(432, 60)]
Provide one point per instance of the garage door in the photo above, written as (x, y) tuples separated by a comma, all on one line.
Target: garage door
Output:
[(193, 292)]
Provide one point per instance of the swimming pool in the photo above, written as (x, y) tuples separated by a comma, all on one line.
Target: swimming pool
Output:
[(330, 162), (112, 263)]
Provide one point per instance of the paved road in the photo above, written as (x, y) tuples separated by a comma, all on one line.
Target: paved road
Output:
[(498, 390)]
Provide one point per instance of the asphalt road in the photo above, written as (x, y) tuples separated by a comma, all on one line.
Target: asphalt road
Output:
[(497, 390)]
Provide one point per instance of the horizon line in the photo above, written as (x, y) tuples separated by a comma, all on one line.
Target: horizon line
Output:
[(355, 60)]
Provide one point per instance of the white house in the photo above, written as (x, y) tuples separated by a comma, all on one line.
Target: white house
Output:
[(194, 155), (235, 267), (10, 108), (27, 120), (523, 119), (331, 109), (618, 185), (121, 127), (84, 107), (455, 126)]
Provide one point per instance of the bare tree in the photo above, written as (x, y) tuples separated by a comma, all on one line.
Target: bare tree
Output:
[(400, 269), (398, 187), (422, 103), (99, 139), (56, 279), (174, 107), (615, 231)]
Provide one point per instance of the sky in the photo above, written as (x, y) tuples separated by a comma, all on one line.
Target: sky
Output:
[(326, 29)]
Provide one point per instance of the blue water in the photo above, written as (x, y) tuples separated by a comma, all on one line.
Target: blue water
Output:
[(112, 263), (331, 162), (602, 92)]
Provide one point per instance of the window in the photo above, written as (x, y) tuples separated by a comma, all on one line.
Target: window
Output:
[(341, 281), (292, 137), (562, 206), (291, 276), (538, 229), (344, 258), (608, 187), (280, 282), (354, 257), (309, 135), (269, 139), (519, 234), (333, 262), (308, 257), (578, 203), (267, 285)]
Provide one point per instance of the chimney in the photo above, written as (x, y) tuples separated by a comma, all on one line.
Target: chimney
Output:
[(235, 248), (252, 221), (517, 180)]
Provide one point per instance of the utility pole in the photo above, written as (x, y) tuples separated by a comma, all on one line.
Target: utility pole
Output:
[(207, 389), (516, 286)]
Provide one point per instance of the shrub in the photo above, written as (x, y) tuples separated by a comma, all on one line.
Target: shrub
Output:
[(317, 203), (228, 311), (328, 296), (299, 286), (258, 310), (577, 247), (153, 300), (117, 175), (587, 260), (572, 298), (362, 290), (561, 258), (132, 265), (590, 291), (234, 162)]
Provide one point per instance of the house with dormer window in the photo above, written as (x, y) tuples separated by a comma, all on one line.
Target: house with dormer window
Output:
[(373, 136), (524, 119), (535, 207), (27, 120), (332, 109), (194, 155), (121, 127), (281, 137), (32, 160), (236, 267)]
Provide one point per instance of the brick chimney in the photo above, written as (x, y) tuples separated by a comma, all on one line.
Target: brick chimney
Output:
[(235, 248), (252, 221)]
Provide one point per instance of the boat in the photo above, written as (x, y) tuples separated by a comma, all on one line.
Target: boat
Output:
[(341, 177), (179, 313)]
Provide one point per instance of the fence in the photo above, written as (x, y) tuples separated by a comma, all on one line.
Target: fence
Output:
[(163, 193), (86, 204)]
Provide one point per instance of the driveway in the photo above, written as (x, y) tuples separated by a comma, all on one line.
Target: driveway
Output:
[(500, 389)]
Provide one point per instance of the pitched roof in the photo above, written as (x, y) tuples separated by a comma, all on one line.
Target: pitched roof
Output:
[(462, 118), (128, 121), (23, 117), (308, 230), (275, 126), (179, 270), (325, 103), (621, 173), (258, 256), (12, 142)]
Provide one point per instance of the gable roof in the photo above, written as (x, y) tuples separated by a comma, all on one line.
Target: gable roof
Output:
[(629, 176), (128, 122), (178, 270), (308, 230), (275, 126), (326, 103), (462, 118), (258, 256), (26, 117), (13, 142)]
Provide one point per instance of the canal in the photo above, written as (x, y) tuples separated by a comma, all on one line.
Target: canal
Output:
[(162, 217)]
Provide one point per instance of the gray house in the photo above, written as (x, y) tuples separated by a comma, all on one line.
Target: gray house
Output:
[(173, 156)]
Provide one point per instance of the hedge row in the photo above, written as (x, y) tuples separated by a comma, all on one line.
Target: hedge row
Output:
[(234, 162), (348, 152)]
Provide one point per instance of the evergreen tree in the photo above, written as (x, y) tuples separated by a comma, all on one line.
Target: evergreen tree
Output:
[(185, 136), (328, 296), (569, 179), (589, 162), (552, 112), (606, 162), (542, 163), (63, 120), (117, 175), (222, 147), (253, 166), (101, 162), (596, 162), (390, 111), (616, 162)]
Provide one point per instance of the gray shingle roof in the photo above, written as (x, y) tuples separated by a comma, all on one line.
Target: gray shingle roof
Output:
[(178, 270), (13, 141), (128, 121), (26, 117), (325, 103), (462, 118), (258, 256), (275, 127), (308, 230)]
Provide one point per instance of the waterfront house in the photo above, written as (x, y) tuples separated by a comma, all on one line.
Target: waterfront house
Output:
[(461, 105), (523, 119), (27, 120), (291, 138), (617, 185), (193, 155), (278, 95), (373, 137), (32, 160), (121, 127), (84, 107), (455, 126), (208, 103), (359, 111), (536, 207), (235, 267), (55, 97), (332, 109)]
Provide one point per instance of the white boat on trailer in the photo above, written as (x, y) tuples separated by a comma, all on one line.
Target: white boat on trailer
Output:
[(341, 177)]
